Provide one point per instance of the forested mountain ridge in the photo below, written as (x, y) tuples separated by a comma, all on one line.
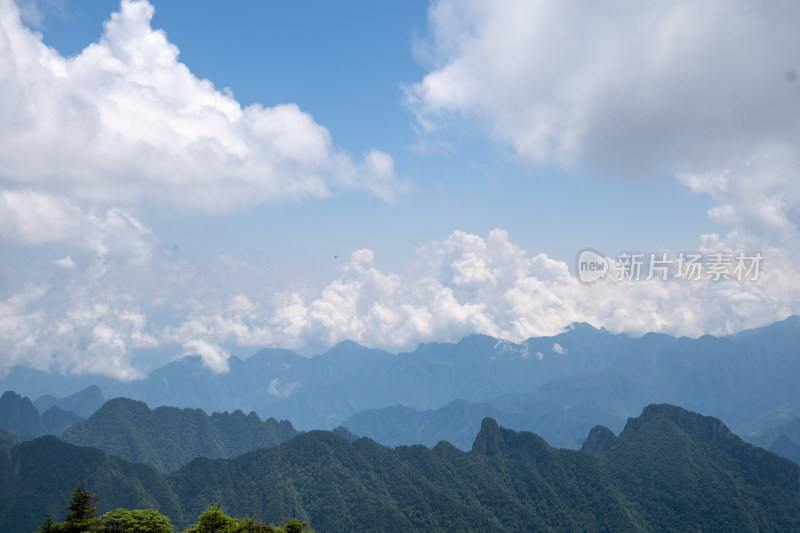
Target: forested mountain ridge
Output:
[(36, 475), (668, 470), (168, 438)]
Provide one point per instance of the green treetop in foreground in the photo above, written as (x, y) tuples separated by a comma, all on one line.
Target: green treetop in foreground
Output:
[(82, 518)]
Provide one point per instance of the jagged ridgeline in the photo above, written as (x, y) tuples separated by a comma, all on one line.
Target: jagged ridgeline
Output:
[(168, 438), (19, 416), (668, 470)]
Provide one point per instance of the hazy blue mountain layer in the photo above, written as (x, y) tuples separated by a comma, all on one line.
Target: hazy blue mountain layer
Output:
[(83, 403), (556, 386), (18, 415)]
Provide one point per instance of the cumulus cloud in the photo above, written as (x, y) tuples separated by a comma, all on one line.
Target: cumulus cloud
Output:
[(125, 122), (104, 234), (212, 355), (638, 89), (759, 193), (89, 141), (461, 285), (468, 283), (75, 334)]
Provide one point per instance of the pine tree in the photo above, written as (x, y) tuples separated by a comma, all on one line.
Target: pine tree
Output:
[(49, 525), (82, 511)]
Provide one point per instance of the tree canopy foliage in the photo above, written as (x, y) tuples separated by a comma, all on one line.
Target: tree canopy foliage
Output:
[(82, 518)]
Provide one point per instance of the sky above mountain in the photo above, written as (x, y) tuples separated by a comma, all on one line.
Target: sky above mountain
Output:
[(212, 178)]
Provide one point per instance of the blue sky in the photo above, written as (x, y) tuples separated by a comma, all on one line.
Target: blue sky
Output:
[(221, 177), (347, 64)]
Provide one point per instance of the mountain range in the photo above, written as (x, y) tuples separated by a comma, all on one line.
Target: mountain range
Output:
[(168, 438), (668, 470), (557, 386), (18, 415), (83, 403)]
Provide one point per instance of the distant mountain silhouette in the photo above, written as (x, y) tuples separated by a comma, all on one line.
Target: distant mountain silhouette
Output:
[(83, 403), (558, 386), (18, 415)]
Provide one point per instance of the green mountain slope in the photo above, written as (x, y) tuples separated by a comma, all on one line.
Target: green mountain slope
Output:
[(168, 437), (668, 470), (689, 472), (37, 476)]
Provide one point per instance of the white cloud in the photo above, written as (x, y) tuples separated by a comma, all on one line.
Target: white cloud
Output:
[(89, 140), (97, 324), (281, 391), (212, 355), (508, 294), (65, 263), (109, 234), (759, 194), (125, 122), (81, 332), (698, 89), (638, 89)]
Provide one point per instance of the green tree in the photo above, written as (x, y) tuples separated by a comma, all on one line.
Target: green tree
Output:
[(250, 525), (213, 520), (49, 525), (135, 521), (82, 511), (294, 526)]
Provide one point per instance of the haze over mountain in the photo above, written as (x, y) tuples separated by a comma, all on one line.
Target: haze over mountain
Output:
[(82, 403), (458, 420), (669, 469), (18, 415), (558, 386), (783, 439)]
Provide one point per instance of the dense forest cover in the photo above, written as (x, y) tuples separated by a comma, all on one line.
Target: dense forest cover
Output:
[(168, 437), (668, 470)]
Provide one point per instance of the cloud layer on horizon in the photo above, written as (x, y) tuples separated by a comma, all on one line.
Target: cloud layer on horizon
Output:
[(462, 285), (469, 284)]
